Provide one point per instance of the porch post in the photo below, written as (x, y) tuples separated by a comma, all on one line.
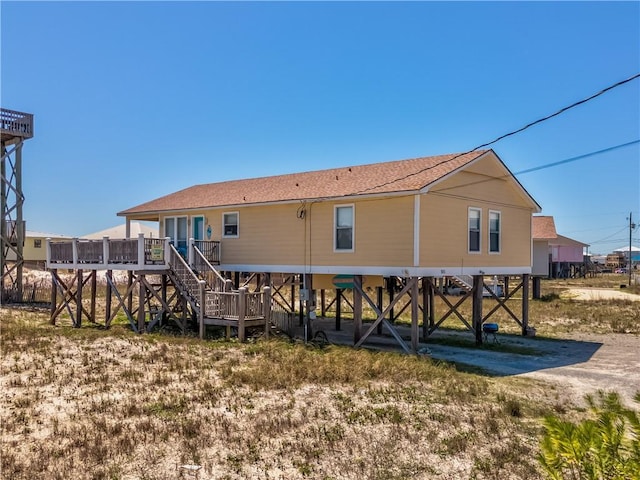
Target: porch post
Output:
[(78, 322), (415, 310), (94, 287), (425, 308), (536, 287), (141, 299), (338, 308), (74, 250), (242, 302), (141, 251), (105, 250), (525, 304), (48, 254), (190, 252), (107, 307), (266, 292), (202, 299), (357, 308), (380, 302), (54, 294), (476, 319)]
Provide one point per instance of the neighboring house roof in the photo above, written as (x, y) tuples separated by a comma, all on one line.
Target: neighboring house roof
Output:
[(33, 234), (626, 249), (120, 231), (398, 176), (566, 241), (544, 228)]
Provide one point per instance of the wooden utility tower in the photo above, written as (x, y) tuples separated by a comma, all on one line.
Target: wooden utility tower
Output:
[(15, 128)]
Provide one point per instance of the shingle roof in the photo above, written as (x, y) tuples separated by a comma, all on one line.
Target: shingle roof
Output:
[(544, 228), (562, 240), (377, 178)]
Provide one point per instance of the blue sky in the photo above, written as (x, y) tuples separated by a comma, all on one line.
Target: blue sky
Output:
[(133, 101)]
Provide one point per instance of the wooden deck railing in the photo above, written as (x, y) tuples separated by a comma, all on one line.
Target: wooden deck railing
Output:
[(210, 249), (109, 254), (205, 269), (15, 123)]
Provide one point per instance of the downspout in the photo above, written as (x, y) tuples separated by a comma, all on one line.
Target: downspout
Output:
[(416, 231)]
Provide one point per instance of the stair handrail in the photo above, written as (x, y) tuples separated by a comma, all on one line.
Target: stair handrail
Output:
[(174, 259), (217, 282)]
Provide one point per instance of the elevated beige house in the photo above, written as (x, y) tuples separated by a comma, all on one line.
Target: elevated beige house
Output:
[(432, 216), (398, 224)]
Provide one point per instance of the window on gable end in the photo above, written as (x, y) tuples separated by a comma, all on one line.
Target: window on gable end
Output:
[(475, 215), (494, 231)]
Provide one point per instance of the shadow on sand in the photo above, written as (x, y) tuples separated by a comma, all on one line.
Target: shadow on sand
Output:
[(512, 356)]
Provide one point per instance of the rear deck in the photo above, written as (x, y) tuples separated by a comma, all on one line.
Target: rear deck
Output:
[(190, 289)]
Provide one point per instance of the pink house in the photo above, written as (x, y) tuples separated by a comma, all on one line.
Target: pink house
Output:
[(554, 255)]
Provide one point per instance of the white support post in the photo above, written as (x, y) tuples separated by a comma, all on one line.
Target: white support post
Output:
[(190, 252), (74, 249), (105, 250), (167, 250), (48, 253), (141, 251)]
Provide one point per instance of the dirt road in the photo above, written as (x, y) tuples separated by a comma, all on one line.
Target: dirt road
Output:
[(583, 364)]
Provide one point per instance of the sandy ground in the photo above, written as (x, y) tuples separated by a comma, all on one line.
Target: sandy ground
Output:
[(599, 294), (581, 365)]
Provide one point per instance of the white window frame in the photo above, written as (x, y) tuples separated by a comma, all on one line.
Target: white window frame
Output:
[(353, 228), (479, 210), (224, 231), (174, 235), (37, 243), (495, 252)]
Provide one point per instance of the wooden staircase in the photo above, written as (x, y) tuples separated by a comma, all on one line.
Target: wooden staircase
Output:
[(212, 298), (465, 282)]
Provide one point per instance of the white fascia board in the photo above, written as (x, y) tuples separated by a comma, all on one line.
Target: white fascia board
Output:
[(386, 271)]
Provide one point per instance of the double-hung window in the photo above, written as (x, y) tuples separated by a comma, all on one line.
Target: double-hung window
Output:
[(230, 224), (343, 226), (494, 231), (475, 215)]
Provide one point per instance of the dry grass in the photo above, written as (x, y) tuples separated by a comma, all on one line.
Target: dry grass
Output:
[(88, 403), (108, 404)]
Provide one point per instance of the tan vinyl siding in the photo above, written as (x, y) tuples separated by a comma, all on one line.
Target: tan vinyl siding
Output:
[(267, 235), (274, 235), (383, 233), (444, 223)]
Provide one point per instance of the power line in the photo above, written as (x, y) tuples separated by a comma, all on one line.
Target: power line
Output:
[(546, 165), (501, 137), (607, 238), (579, 157)]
